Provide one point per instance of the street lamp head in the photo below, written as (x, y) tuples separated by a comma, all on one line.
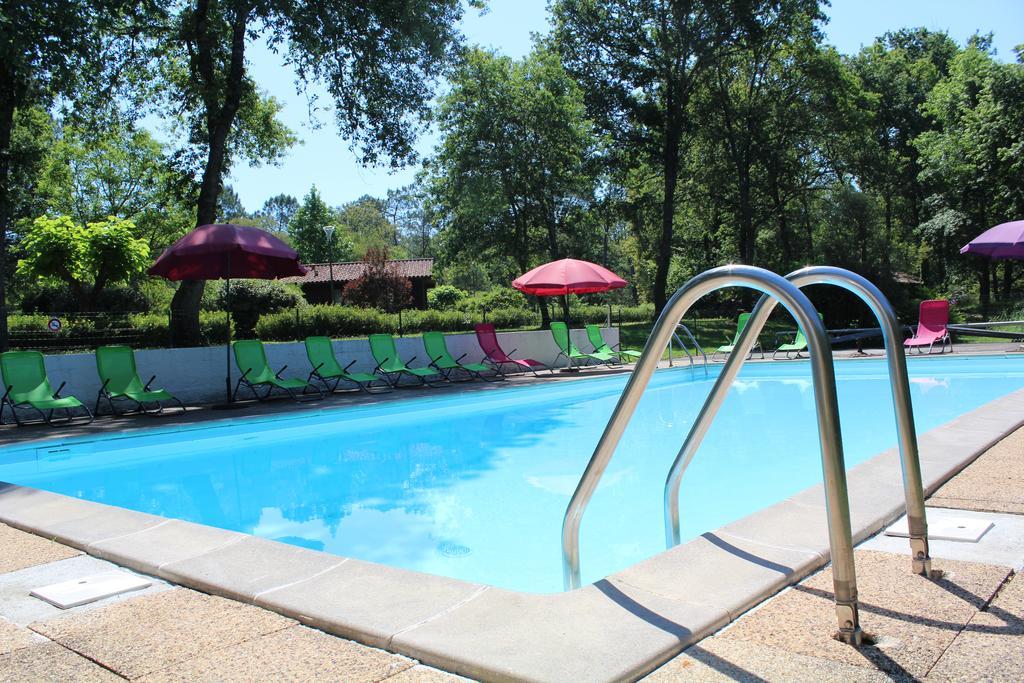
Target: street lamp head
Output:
[(328, 232)]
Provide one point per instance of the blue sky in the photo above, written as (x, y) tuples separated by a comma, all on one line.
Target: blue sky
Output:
[(324, 158)]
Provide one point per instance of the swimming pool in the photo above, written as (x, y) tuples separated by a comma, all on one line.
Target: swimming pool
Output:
[(474, 485)]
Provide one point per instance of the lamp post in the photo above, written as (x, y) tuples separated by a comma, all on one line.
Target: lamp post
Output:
[(329, 234)]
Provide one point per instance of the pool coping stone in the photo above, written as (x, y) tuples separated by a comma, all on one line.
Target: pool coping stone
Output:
[(618, 628)]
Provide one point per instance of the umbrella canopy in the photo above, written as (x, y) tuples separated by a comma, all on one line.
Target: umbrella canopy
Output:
[(568, 276), (224, 251), (1005, 241)]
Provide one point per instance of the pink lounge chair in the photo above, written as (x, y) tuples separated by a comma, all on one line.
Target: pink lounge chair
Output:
[(494, 355), (931, 327)]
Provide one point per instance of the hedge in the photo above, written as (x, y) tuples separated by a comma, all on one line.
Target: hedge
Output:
[(143, 330)]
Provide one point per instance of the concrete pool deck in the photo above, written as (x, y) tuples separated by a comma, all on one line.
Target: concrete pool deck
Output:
[(966, 624), (619, 628)]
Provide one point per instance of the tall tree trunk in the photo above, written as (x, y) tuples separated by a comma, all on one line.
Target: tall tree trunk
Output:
[(746, 215), (6, 127), (663, 257), (220, 118), (994, 273), (887, 252), (1007, 280)]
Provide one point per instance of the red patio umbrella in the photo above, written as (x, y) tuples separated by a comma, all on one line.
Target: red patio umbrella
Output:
[(224, 251), (1005, 241)]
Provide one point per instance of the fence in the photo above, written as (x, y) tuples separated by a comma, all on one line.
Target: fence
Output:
[(71, 331)]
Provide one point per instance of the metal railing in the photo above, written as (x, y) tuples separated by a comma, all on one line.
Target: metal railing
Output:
[(826, 408), (697, 348), (897, 362)]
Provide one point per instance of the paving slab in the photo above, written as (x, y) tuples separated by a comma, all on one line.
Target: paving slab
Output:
[(1003, 544), (913, 619), (708, 570), (21, 608), (156, 546), (993, 482), (19, 549), (602, 632), (347, 600), (991, 647), (719, 660), (249, 567), (14, 638), (146, 634), (292, 654), (50, 662)]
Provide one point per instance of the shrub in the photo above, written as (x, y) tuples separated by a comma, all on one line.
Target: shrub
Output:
[(494, 298), (249, 299), (445, 297), (380, 285)]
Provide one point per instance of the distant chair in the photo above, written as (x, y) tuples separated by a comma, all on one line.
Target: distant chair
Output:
[(798, 346), (601, 346), (392, 368), (251, 360), (121, 382), (741, 322), (568, 350), (932, 319), (440, 358), (493, 353), (27, 386), (329, 372)]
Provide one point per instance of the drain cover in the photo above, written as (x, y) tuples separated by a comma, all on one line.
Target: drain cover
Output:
[(947, 529), (452, 549), (89, 589)]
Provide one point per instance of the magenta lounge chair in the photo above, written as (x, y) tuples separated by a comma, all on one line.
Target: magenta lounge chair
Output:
[(931, 327), (494, 355)]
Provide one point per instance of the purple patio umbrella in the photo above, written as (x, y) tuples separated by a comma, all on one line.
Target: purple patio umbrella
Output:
[(1005, 241)]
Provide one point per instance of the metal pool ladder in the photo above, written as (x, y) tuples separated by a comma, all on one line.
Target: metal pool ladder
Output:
[(783, 290), (696, 348)]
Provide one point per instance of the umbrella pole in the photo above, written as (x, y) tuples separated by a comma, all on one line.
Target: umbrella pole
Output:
[(568, 333), (227, 348)]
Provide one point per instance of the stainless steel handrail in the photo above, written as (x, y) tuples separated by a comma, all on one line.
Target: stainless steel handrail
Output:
[(697, 347), (909, 457), (827, 410)]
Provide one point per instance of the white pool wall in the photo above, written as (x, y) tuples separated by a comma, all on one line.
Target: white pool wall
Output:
[(196, 375)]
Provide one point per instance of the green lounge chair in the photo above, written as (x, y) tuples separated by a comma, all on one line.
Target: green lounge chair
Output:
[(121, 382), (440, 358), (799, 344), (601, 346), (741, 322), (251, 360), (27, 386), (560, 332), (327, 369), (391, 367)]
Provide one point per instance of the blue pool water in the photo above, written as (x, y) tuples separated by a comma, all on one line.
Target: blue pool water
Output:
[(474, 485)]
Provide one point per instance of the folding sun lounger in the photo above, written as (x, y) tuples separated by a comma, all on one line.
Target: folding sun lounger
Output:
[(27, 386), (797, 347), (121, 382), (601, 346), (391, 367), (568, 350), (326, 368), (741, 322), (933, 317), (437, 350), (251, 360), (493, 353)]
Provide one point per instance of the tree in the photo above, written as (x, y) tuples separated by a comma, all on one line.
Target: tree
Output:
[(279, 211), (405, 208), (306, 230), (512, 177), (86, 257), (48, 48), (640, 62), (380, 286), (378, 61), (366, 225)]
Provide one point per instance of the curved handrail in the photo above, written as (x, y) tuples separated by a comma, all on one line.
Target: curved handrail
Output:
[(907, 433), (697, 348), (827, 411)]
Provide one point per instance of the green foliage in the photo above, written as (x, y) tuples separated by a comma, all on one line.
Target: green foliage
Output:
[(445, 297), (249, 299), (85, 257), (306, 230), (495, 298), (365, 223)]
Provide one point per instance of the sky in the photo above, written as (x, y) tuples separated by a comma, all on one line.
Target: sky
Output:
[(324, 159)]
